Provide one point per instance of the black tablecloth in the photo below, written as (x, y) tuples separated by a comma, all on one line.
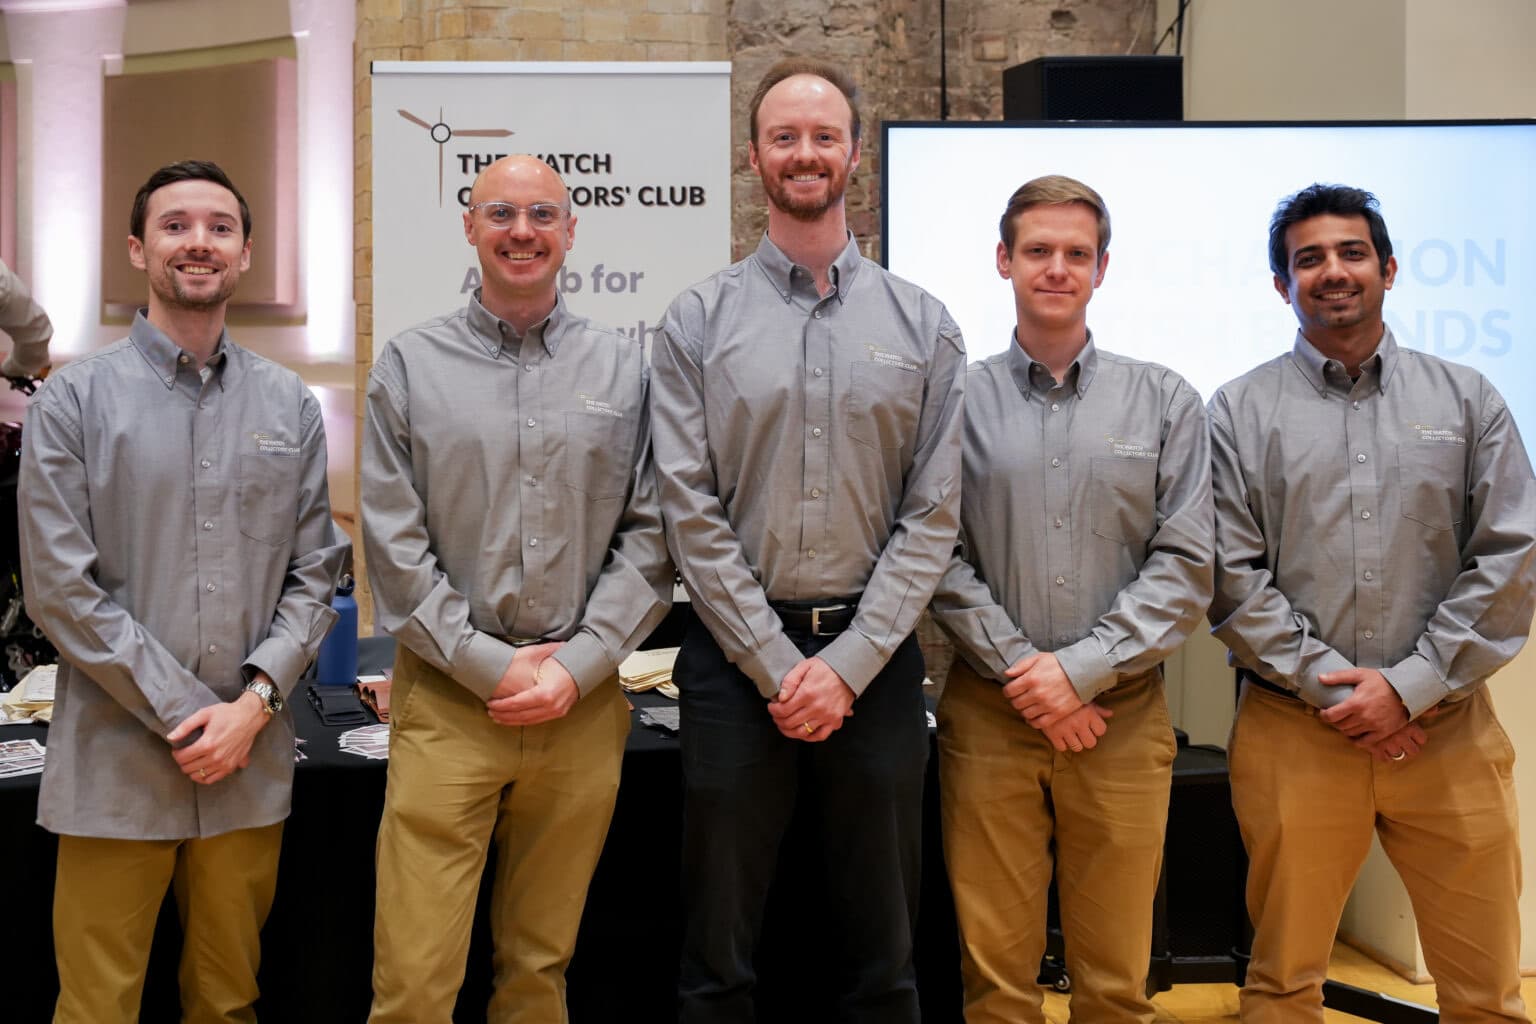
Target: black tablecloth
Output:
[(317, 944)]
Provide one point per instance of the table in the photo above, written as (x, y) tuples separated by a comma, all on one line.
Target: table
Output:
[(317, 944)]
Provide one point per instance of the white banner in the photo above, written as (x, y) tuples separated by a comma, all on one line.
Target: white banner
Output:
[(644, 148)]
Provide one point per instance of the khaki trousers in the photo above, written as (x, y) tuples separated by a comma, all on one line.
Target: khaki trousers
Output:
[(106, 899), (1008, 799), (1307, 801), (458, 781)]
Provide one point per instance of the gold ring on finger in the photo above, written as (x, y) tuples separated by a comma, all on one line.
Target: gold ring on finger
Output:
[(810, 730)]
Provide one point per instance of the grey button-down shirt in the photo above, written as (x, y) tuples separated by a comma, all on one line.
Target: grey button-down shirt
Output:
[(1388, 522), (176, 538), (26, 323), (507, 491), (808, 448), (1085, 518)]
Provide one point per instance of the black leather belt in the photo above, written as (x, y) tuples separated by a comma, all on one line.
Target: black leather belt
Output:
[(520, 641), (1254, 679), (826, 619)]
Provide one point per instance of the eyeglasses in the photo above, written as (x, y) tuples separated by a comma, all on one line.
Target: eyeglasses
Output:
[(542, 216)]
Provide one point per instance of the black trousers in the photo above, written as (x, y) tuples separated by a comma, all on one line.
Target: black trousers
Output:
[(742, 780)]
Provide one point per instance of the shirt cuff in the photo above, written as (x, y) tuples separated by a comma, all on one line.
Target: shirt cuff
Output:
[(1321, 695), (1087, 668), (587, 662), (1417, 683), (854, 658), (481, 664), (768, 667), (282, 660)]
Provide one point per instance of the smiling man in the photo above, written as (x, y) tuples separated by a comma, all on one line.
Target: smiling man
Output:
[(515, 550), (1375, 511), (807, 423), (178, 549), (1085, 561)]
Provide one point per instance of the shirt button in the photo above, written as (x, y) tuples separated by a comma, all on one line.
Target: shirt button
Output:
[(1369, 635), (206, 464), (817, 371), (533, 481), (210, 588), (811, 553), (213, 648), (207, 524), (1055, 462), (815, 431), (527, 367), (531, 602), (533, 542), (1357, 405), (531, 421), (817, 314), (170, 380), (1368, 575), (1360, 457), (815, 492), (1058, 522), (1365, 514), (1060, 580), (1055, 407)]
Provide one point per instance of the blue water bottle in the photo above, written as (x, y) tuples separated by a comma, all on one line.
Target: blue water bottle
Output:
[(337, 664)]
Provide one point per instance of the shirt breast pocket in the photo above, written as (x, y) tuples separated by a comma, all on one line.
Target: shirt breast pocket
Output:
[(598, 450), (1431, 483), (883, 404), (268, 497), (1122, 499)]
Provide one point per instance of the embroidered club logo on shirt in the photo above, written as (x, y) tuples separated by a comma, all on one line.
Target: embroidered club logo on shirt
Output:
[(597, 405), (1122, 448), (1437, 435), (266, 444), (893, 359)]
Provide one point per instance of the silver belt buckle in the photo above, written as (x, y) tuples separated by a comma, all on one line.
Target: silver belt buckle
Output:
[(816, 617)]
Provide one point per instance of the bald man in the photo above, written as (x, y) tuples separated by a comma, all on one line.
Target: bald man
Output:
[(516, 555)]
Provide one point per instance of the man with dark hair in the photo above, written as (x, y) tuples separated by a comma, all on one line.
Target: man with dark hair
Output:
[(178, 549), (1085, 561), (1376, 558), (807, 426), (516, 553)]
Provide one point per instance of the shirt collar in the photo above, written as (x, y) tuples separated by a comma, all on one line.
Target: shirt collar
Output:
[(1031, 376), (780, 269), (165, 357), (495, 335), (1317, 368)]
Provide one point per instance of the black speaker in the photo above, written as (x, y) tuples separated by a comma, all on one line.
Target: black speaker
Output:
[(1139, 88)]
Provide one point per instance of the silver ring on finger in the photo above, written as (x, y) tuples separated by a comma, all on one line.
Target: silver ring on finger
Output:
[(1399, 755)]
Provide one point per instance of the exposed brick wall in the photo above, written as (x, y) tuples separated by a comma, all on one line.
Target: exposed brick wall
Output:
[(891, 46)]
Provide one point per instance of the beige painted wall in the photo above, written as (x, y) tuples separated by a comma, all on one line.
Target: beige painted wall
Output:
[(1377, 59)]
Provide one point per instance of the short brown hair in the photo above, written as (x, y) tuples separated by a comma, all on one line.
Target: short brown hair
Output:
[(789, 67), (1053, 190), (184, 170)]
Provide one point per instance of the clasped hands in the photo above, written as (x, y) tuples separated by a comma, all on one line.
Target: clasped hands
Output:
[(1373, 716), (228, 730), (812, 702), (534, 689), (1039, 690)]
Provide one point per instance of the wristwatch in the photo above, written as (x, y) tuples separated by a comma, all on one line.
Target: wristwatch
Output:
[(271, 700)]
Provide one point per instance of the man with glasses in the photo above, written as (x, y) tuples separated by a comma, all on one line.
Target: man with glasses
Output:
[(515, 550), (808, 449)]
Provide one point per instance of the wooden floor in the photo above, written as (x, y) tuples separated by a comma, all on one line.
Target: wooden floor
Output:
[(1217, 1004)]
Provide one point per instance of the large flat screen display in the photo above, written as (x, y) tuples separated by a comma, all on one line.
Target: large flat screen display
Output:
[(1188, 283)]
